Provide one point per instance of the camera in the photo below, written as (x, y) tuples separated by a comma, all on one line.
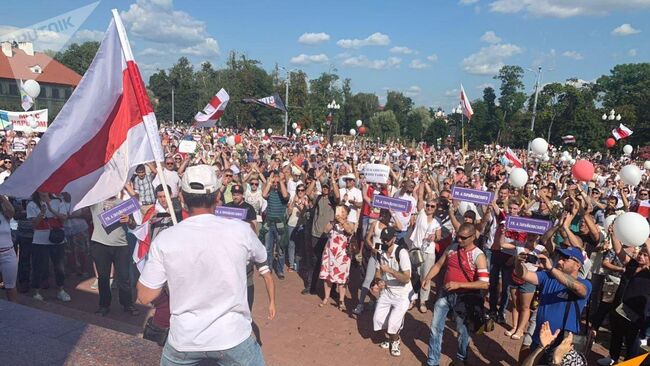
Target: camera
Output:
[(381, 247), (532, 259)]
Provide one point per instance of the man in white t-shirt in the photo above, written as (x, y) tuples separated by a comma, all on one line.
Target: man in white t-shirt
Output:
[(172, 178), (350, 196), (406, 218), (203, 261)]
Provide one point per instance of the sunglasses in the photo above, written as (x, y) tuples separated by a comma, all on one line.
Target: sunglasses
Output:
[(255, 184), (464, 237), (301, 190), (169, 163), (430, 206), (8, 162), (228, 175)]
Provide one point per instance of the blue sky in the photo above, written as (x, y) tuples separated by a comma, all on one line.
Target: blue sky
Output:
[(423, 48)]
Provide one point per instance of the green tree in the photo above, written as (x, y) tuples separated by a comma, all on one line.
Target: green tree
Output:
[(417, 122), (401, 105), (384, 125), (78, 57), (438, 129)]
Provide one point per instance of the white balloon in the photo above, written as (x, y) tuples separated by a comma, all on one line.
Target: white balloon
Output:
[(630, 174), (546, 158), (32, 88), (631, 229), (230, 140), (646, 165), (33, 123), (359, 123), (294, 125), (608, 221), (297, 130), (572, 161), (628, 149), (270, 131), (353, 132), (498, 147), (518, 177), (563, 158), (566, 153), (539, 146)]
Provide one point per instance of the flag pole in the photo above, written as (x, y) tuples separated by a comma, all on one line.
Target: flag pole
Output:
[(144, 105)]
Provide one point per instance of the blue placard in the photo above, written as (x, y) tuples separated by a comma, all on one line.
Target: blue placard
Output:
[(472, 195), (527, 225), (395, 204), (231, 212), (113, 215)]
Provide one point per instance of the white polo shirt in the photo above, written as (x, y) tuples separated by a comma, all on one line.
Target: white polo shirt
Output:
[(203, 260)]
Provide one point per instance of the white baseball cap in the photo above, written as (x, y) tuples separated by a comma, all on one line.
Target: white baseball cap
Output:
[(202, 177)]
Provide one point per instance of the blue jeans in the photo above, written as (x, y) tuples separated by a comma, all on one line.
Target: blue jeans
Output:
[(247, 353), (291, 249), (444, 304), (271, 240)]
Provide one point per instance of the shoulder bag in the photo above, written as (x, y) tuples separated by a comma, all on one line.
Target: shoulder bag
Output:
[(470, 306)]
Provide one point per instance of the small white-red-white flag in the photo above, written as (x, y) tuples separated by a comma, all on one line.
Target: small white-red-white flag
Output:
[(464, 102), (213, 111), (142, 233), (105, 129), (621, 132), (510, 155), (569, 139)]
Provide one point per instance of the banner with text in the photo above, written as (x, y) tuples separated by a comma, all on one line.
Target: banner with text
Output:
[(376, 173), (21, 121), (533, 226), (231, 212), (395, 204), (113, 215), (472, 195)]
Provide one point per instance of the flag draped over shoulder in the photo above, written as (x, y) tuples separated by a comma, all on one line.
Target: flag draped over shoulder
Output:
[(273, 102), (464, 102), (212, 112), (101, 134), (621, 132), (512, 157)]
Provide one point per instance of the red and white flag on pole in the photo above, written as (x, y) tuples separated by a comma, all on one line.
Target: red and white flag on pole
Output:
[(569, 139), (213, 111), (621, 132), (101, 134), (512, 157), (464, 102)]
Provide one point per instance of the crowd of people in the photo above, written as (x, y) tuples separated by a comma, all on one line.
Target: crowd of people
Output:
[(309, 211)]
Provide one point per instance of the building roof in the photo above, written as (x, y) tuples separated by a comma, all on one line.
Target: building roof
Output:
[(18, 67)]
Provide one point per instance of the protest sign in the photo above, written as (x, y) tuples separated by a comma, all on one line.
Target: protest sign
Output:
[(20, 121), (113, 215), (187, 147), (376, 173), (533, 226), (231, 212), (472, 195), (391, 203)]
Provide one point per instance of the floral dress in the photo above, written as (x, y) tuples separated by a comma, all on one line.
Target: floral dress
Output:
[(335, 266)]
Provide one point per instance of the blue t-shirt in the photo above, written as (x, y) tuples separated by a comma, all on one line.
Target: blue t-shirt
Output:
[(553, 297)]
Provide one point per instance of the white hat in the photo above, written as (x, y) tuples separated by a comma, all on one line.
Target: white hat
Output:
[(349, 176), (235, 169), (202, 175)]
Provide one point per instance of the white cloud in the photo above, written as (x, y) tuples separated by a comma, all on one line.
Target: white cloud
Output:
[(625, 30), (572, 54), (413, 91), (488, 60), (86, 35), (363, 61), (151, 52), (490, 37), (432, 57), (417, 64), (375, 39), (304, 59), (157, 21), (467, 2), (402, 50), (485, 85), (313, 38), (632, 52), (452, 92), (565, 8)]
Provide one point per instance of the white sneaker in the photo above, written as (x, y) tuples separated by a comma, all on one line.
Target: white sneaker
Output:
[(358, 309), (38, 296), (394, 348), (95, 284), (384, 344), (63, 296), (606, 361)]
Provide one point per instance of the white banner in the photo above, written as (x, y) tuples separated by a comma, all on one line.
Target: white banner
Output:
[(376, 173), (20, 121), (187, 147)]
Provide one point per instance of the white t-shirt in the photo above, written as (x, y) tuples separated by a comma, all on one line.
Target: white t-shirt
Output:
[(291, 187), (4, 175), (422, 230), (393, 286), (203, 260), (42, 231), (405, 217), (172, 179), (347, 197)]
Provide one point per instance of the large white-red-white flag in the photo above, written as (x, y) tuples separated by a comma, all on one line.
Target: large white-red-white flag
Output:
[(510, 155), (621, 132), (101, 134), (213, 111), (464, 102)]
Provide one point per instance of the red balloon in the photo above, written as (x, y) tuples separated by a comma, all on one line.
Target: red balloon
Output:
[(237, 139), (610, 142), (583, 170), (362, 130)]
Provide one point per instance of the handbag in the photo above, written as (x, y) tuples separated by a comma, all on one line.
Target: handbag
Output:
[(609, 290), (57, 235), (581, 342), (415, 254)]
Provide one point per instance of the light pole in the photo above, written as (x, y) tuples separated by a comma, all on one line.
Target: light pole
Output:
[(539, 77), (286, 99), (332, 107), (459, 110)]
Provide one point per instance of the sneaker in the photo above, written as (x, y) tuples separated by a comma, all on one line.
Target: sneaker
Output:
[(63, 296), (384, 344), (501, 319), (394, 348), (131, 310), (605, 361), (95, 284), (358, 309), (38, 296)]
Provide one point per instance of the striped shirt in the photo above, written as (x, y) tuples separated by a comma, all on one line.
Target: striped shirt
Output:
[(277, 206)]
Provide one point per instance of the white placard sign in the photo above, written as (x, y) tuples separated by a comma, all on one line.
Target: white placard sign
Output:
[(187, 147), (20, 121), (376, 173)]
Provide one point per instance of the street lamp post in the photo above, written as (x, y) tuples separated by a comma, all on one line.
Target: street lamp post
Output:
[(332, 107), (539, 77), (459, 110)]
